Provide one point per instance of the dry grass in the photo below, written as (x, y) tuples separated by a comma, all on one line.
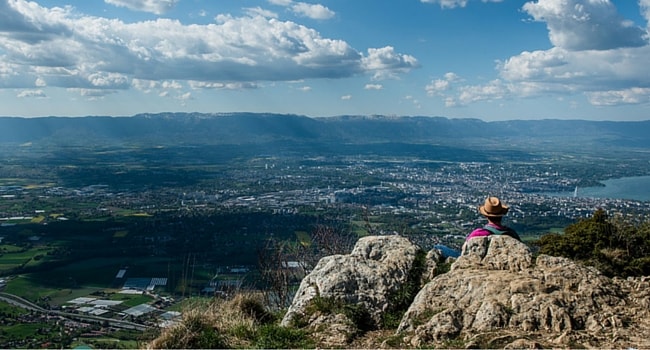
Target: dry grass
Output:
[(213, 324)]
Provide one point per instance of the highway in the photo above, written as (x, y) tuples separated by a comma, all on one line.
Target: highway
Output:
[(26, 304)]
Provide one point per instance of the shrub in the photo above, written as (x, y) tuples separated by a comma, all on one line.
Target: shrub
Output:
[(617, 247)]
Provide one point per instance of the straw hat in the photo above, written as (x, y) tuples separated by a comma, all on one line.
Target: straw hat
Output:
[(493, 208)]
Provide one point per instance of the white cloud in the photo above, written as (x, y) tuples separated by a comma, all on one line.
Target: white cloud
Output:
[(625, 96), (494, 90), (453, 3), (185, 96), (60, 48), (281, 2), (313, 11), (346, 97), (373, 87), (585, 25), (580, 70), (303, 9), (113, 80), (645, 10), (386, 63), (258, 11), (31, 93), (223, 86), (439, 86), (144, 85), (597, 53), (92, 94), (154, 6)]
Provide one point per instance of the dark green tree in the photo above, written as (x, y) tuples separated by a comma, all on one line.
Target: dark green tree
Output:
[(616, 247)]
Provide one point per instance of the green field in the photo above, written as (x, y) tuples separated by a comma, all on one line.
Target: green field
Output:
[(12, 256), (32, 289), (131, 300)]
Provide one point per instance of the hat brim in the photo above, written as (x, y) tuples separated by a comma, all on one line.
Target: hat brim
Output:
[(481, 210)]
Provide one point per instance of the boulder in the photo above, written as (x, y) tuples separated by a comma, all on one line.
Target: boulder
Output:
[(377, 267)]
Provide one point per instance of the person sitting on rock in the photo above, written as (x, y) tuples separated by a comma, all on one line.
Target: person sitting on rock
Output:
[(493, 210)]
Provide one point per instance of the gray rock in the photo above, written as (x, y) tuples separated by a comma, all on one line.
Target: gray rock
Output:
[(375, 269), (495, 295), (494, 285)]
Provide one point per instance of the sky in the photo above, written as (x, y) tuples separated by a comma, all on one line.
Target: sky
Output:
[(486, 59)]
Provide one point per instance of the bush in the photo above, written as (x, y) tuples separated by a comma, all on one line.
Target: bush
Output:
[(616, 247)]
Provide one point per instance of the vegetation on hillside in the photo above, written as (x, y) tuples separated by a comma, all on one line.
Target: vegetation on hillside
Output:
[(616, 246)]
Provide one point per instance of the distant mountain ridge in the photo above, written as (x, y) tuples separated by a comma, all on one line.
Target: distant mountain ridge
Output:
[(250, 128)]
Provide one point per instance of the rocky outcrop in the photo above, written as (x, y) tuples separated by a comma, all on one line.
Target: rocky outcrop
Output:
[(496, 294), (366, 278)]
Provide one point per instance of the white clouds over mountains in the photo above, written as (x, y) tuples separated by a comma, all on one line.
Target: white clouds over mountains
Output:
[(59, 47)]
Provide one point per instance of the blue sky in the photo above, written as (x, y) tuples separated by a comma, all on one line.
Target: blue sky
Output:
[(486, 59)]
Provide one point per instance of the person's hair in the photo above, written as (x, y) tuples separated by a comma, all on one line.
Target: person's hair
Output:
[(494, 219)]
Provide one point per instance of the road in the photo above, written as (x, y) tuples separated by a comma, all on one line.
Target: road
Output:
[(26, 304)]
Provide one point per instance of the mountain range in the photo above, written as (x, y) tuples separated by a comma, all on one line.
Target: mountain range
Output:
[(259, 128)]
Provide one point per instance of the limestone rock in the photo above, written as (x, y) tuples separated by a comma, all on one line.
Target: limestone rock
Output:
[(375, 269), (495, 285), (495, 295)]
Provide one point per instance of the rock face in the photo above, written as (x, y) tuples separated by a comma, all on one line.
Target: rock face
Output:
[(495, 285), (377, 267), (496, 294)]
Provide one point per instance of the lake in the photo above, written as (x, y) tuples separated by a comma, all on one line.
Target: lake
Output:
[(634, 188)]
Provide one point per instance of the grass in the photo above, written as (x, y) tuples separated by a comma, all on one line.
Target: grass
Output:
[(139, 215), (23, 330), (241, 322), (10, 248), (14, 256), (131, 300), (11, 310), (120, 234), (37, 219), (107, 343), (32, 289)]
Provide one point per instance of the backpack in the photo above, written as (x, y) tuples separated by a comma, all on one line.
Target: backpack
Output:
[(506, 231)]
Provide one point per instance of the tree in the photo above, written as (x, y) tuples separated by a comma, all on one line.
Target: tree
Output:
[(617, 247), (283, 264)]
